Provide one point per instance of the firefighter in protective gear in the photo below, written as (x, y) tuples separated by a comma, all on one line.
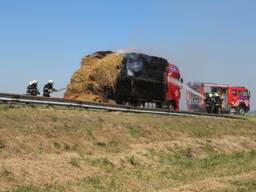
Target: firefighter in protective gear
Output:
[(209, 103), (32, 88), (48, 88), (217, 103)]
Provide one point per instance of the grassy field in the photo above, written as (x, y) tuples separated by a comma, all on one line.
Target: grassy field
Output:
[(58, 149)]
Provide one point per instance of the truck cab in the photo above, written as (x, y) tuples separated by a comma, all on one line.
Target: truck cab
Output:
[(174, 84), (239, 99)]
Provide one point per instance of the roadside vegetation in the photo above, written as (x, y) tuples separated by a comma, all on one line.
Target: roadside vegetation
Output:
[(64, 149)]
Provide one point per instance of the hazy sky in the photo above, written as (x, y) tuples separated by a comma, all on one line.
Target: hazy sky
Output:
[(210, 40)]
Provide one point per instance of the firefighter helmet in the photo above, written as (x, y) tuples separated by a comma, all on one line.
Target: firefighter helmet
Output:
[(34, 82), (210, 94), (216, 95), (51, 82)]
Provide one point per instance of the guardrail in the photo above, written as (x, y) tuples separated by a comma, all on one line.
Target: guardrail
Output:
[(27, 99)]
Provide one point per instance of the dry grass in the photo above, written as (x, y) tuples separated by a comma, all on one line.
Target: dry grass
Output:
[(61, 149)]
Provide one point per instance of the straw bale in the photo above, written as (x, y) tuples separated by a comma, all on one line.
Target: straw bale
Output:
[(95, 80)]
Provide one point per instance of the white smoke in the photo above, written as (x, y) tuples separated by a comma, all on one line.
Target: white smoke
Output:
[(133, 64), (124, 51)]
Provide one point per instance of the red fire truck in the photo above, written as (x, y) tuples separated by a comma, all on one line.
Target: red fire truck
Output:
[(235, 99)]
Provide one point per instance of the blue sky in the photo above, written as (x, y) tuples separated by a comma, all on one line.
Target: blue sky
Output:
[(210, 40)]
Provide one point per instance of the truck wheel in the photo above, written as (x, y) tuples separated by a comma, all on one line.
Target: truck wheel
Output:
[(158, 105), (119, 101), (241, 110), (171, 106)]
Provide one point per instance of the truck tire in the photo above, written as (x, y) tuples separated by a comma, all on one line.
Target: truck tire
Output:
[(119, 101), (241, 110), (158, 105), (171, 105)]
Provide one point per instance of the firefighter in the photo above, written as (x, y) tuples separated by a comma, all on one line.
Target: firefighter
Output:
[(209, 103), (48, 88), (217, 103), (32, 88)]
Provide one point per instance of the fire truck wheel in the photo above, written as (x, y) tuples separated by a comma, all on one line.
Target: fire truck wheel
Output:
[(241, 110)]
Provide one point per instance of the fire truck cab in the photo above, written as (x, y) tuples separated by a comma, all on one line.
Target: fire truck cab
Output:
[(234, 99)]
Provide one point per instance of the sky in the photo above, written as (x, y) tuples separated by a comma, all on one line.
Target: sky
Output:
[(209, 40)]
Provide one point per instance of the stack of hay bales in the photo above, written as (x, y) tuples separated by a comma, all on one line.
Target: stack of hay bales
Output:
[(95, 80), (107, 76)]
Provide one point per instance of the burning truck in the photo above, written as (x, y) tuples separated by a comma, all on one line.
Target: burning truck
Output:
[(234, 99), (127, 78), (148, 80)]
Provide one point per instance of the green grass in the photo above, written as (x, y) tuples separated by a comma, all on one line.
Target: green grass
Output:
[(4, 107), (132, 160), (28, 189), (182, 168), (103, 163), (245, 186), (133, 129)]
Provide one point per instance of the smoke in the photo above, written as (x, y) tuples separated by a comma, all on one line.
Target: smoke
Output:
[(134, 64), (124, 51), (184, 86)]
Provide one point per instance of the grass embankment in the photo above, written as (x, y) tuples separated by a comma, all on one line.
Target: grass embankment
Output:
[(57, 149)]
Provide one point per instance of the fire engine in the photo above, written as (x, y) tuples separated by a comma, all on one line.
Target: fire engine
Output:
[(234, 99)]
